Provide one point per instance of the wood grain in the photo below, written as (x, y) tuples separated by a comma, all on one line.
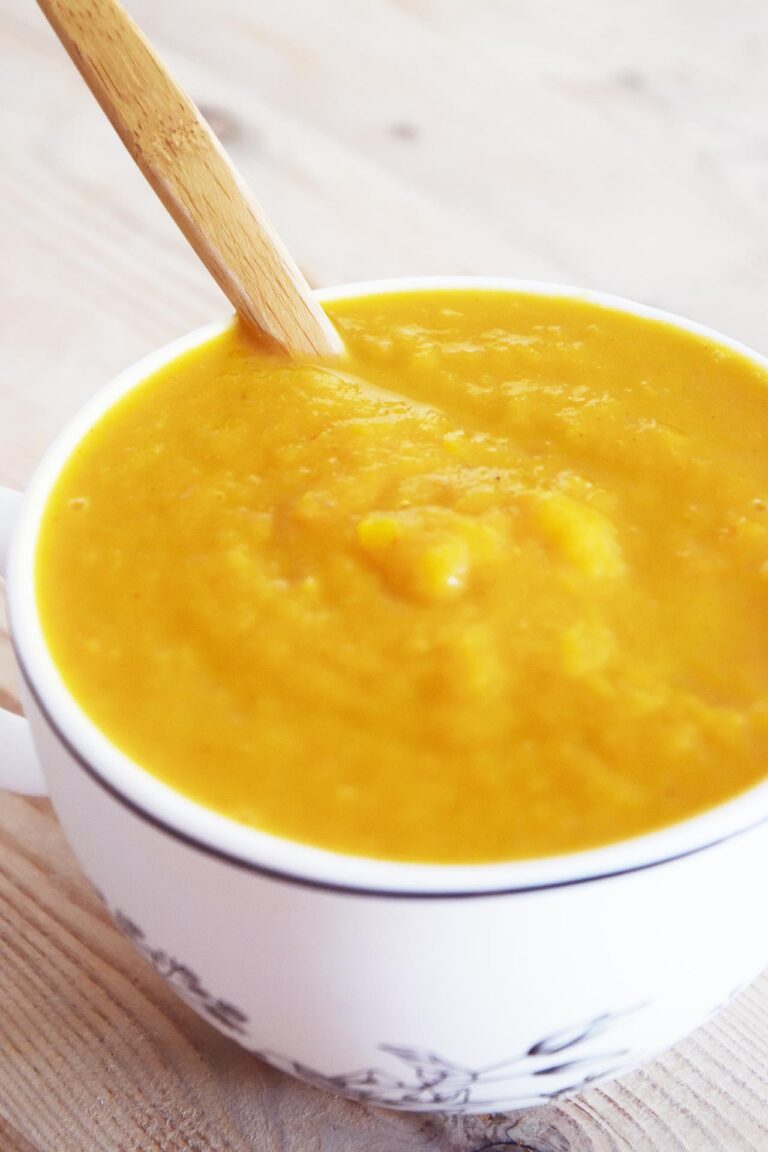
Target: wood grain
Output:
[(189, 170), (618, 146)]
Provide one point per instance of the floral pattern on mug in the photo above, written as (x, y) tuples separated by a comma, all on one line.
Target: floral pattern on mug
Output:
[(428, 1081)]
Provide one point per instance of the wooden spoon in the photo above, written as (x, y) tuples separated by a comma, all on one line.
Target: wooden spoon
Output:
[(192, 174)]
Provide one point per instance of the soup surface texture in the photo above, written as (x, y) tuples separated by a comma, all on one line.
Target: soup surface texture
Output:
[(493, 586)]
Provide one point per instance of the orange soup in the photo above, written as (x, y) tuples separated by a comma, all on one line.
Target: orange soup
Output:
[(492, 586)]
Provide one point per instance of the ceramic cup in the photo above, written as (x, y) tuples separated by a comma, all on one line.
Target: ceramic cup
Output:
[(427, 987)]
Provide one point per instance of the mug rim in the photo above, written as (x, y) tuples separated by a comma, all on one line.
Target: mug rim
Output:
[(208, 831)]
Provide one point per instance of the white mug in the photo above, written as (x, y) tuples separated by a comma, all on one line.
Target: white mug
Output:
[(469, 988)]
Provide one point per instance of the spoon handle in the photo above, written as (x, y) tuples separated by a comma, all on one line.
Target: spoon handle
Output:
[(192, 174)]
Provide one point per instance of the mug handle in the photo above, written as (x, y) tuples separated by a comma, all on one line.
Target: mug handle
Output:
[(19, 767)]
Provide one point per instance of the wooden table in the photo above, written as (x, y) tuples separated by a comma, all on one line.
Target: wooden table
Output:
[(616, 145)]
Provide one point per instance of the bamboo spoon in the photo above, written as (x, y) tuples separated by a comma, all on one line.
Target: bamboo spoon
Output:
[(192, 174)]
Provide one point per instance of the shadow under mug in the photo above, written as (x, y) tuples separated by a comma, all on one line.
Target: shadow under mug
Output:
[(426, 987)]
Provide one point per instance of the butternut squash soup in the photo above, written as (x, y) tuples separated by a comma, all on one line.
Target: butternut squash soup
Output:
[(493, 586)]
